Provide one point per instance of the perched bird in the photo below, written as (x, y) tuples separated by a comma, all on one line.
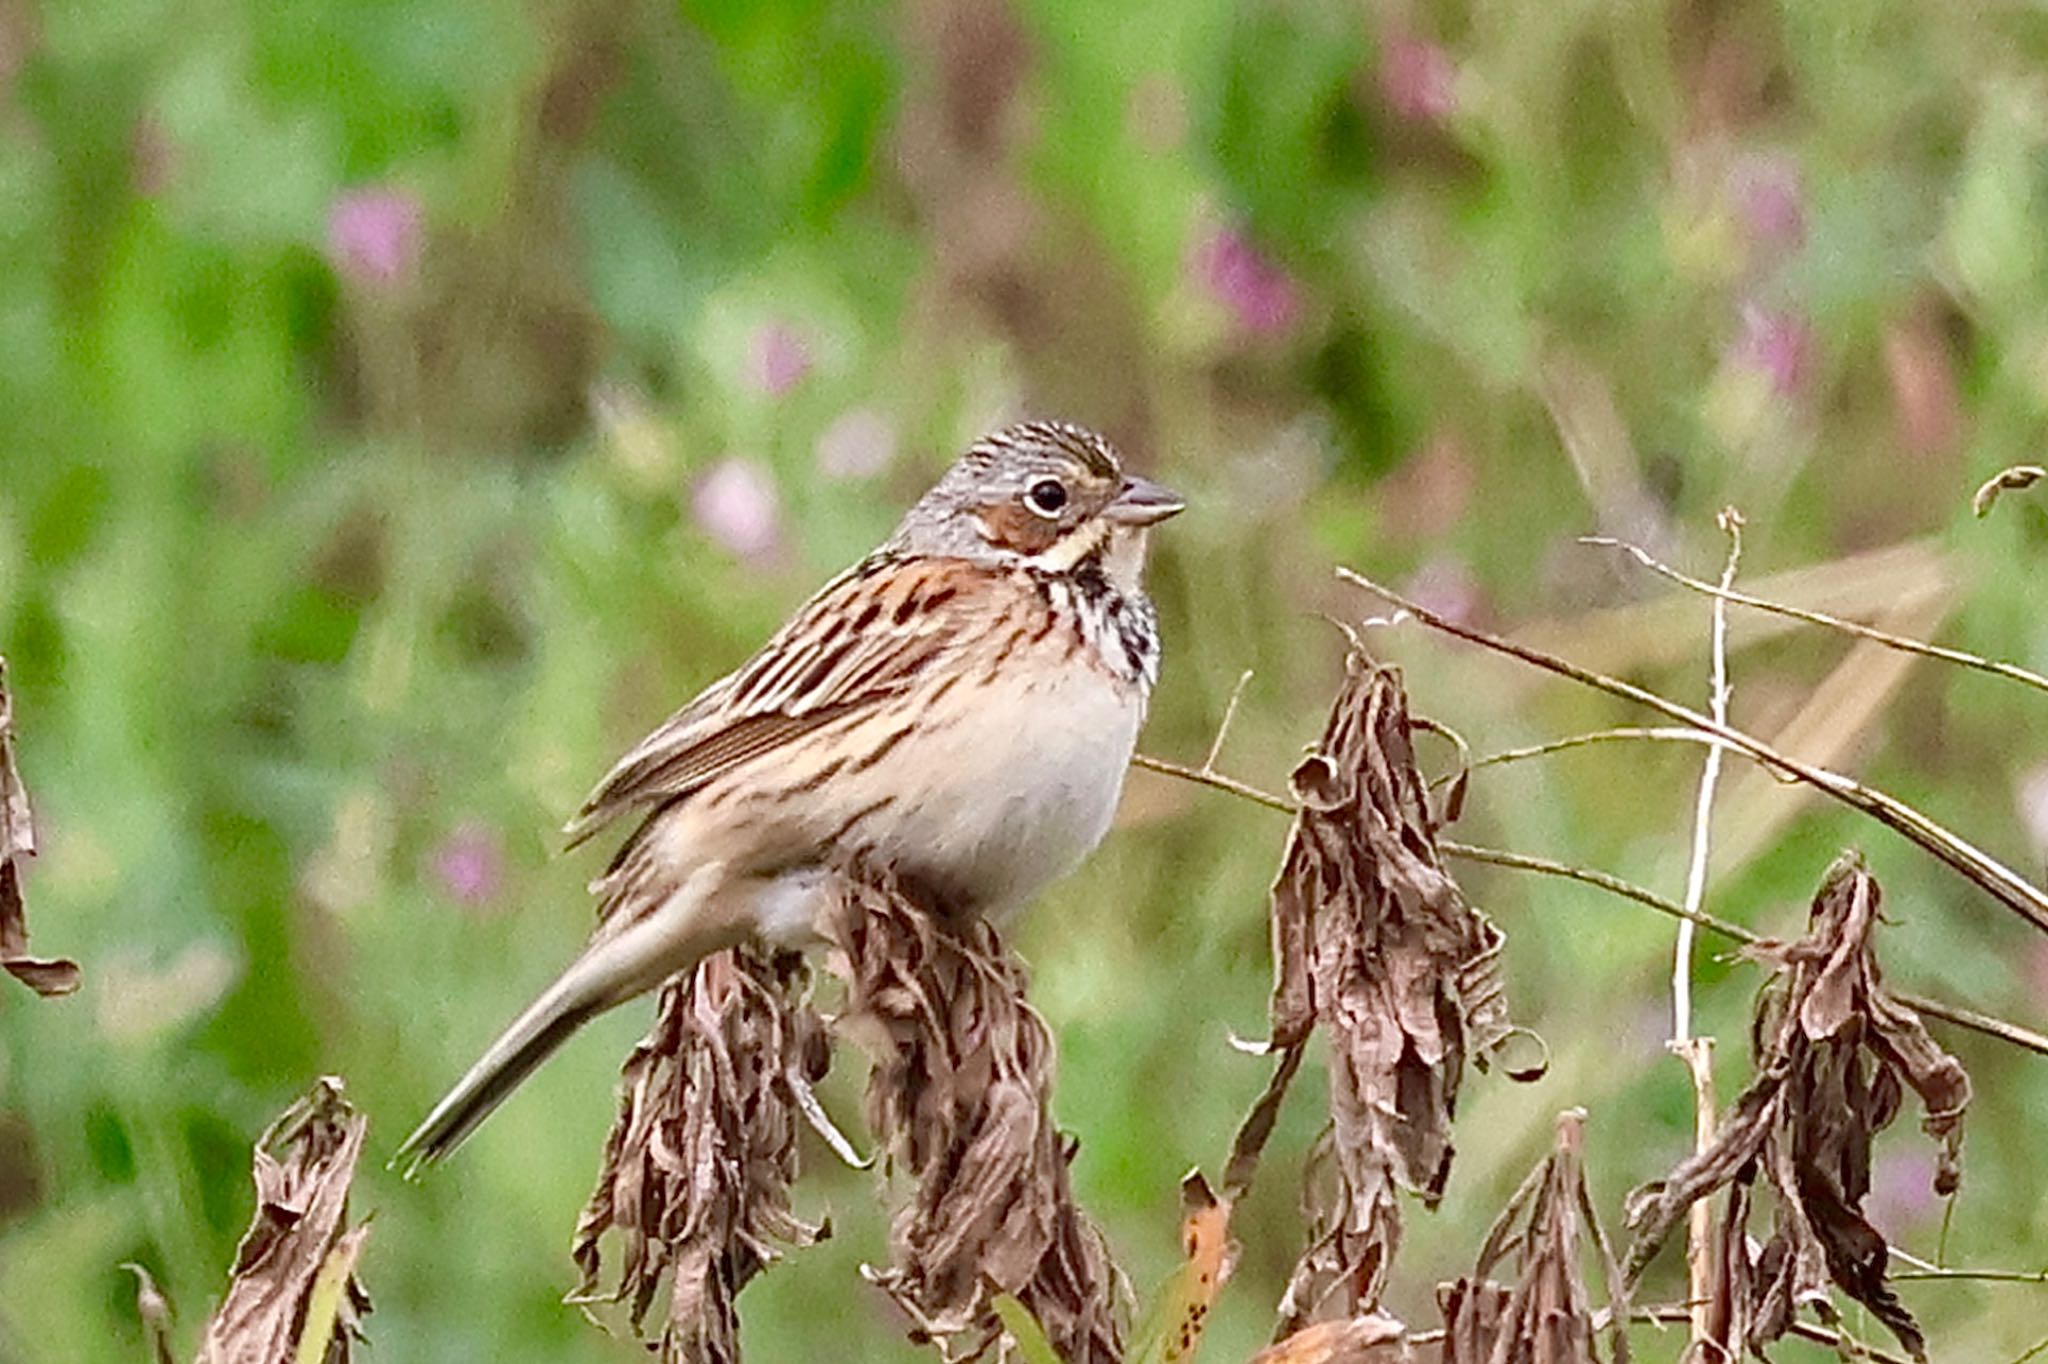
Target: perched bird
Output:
[(960, 707)]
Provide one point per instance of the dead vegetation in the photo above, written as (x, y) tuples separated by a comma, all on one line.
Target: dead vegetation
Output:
[(1374, 943), (698, 1166), (1834, 1054), (294, 1294), (47, 976)]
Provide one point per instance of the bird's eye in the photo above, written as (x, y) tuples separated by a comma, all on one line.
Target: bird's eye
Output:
[(1046, 497)]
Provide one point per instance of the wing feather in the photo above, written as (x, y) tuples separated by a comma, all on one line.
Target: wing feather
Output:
[(863, 640)]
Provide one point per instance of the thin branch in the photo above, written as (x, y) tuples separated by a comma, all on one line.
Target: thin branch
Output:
[(1698, 1052), (2000, 881), (1667, 734), (1703, 803), (2010, 671), (1223, 726), (1215, 779), (1970, 1019)]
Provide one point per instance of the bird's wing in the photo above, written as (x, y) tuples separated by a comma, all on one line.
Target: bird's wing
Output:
[(862, 641)]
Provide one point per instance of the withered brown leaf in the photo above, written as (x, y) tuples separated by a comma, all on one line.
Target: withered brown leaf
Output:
[(47, 976), (1373, 1339), (960, 1097), (304, 1163), (698, 1166), (1545, 1316), (1374, 942), (1834, 1052)]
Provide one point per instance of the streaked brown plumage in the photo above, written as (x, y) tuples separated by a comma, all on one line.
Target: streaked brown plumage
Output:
[(959, 706)]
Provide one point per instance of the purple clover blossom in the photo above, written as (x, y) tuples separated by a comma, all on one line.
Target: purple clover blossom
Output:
[(860, 443), (1778, 344), (1260, 295), (1418, 79), (469, 864), (373, 235), (777, 359), (735, 503), (1902, 1195), (1770, 198)]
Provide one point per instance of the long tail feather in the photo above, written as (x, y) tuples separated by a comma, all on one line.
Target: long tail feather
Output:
[(672, 938)]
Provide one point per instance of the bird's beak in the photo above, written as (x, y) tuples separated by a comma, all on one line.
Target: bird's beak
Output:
[(1143, 503)]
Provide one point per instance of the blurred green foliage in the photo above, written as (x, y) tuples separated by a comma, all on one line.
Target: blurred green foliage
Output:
[(402, 406)]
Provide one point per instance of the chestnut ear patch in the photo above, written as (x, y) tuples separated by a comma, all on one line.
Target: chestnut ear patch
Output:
[(1013, 526)]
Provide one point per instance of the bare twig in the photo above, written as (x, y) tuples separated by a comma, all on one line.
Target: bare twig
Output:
[(1989, 1025), (1698, 1052), (1666, 734), (1204, 777), (1703, 805), (2005, 885), (1223, 726), (2011, 671)]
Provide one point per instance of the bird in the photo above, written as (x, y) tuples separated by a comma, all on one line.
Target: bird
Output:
[(959, 707)]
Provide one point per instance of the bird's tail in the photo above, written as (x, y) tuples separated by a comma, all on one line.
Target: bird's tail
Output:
[(611, 971)]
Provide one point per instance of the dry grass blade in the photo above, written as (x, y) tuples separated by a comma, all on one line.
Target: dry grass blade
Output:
[(2004, 884), (1546, 1316), (303, 1166), (1374, 943), (960, 1099), (1904, 644), (1835, 1050), (47, 976), (698, 1166)]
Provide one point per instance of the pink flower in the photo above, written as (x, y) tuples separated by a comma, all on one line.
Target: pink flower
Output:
[(373, 235), (470, 864), (1770, 196), (735, 503), (860, 443), (1779, 344), (1902, 1196), (778, 360), (1445, 585), (1418, 79), (1259, 294)]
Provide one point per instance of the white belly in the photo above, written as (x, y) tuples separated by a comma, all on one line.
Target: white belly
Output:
[(997, 806)]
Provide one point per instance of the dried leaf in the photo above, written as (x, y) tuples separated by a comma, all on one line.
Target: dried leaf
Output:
[(959, 1097), (698, 1166), (1835, 1052), (1373, 1339), (1170, 1332), (303, 1167), (2016, 479), (1546, 1315), (47, 976), (1374, 942)]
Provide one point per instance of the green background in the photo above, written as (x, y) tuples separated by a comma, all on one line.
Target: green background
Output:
[(328, 589)]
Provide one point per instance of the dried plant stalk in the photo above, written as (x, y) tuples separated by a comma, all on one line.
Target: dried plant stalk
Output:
[(1835, 1051), (1374, 942), (960, 1098), (698, 1166), (1546, 1316), (47, 976), (294, 1269)]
